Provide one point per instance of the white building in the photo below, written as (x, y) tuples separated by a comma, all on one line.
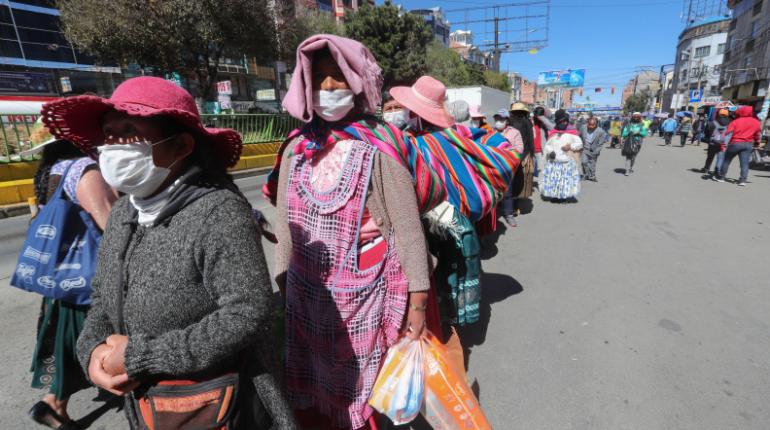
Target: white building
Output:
[(699, 56)]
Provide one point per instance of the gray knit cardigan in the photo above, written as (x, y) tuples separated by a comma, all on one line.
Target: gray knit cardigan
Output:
[(197, 296)]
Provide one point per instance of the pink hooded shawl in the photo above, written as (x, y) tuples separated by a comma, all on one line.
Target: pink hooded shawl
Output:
[(355, 61)]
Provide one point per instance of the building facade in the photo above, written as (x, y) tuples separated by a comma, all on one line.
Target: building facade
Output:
[(434, 17), (336, 7), (461, 41), (745, 75), (698, 63), (36, 60), (645, 82)]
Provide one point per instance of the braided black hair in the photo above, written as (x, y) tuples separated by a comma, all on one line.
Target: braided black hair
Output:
[(52, 153)]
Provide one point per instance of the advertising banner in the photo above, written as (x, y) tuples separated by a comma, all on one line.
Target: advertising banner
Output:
[(562, 78)]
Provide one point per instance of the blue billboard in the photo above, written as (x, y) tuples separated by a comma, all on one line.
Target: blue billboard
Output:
[(562, 78)]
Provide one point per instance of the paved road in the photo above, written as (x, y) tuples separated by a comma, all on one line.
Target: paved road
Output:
[(643, 306)]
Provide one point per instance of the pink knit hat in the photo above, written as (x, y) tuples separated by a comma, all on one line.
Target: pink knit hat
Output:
[(426, 99), (361, 71), (78, 119)]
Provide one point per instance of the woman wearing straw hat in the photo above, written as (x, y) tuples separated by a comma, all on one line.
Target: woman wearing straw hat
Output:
[(352, 259), (55, 365), (523, 182), (181, 290)]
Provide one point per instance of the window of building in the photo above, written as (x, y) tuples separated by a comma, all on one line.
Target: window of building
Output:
[(721, 48), (755, 27), (702, 51), (757, 7), (684, 75), (715, 69)]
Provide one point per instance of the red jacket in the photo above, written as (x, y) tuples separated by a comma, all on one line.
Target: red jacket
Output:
[(745, 128)]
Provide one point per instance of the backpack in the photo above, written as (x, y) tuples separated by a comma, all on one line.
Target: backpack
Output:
[(58, 258)]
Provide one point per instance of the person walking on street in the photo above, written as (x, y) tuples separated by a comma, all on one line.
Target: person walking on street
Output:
[(654, 126), (181, 291), (55, 365), (742, 135), (715, 136), (698, 127), (561, 177), (521, 186), (616, 129), (541, 126), (352, 260), (685, 127), (633, 136), (668, 128), (593, 138)]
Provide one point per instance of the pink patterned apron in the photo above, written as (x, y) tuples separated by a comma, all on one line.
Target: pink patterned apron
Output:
[(340, 320)]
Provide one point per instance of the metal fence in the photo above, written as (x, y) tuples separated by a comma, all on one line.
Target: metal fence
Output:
[(254, 128), (16, 129)]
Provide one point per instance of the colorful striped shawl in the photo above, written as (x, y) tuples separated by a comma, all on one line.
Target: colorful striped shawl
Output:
[(475, 174), (385, 137)]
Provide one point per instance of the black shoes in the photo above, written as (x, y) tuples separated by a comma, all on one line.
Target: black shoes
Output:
[(43, 414)]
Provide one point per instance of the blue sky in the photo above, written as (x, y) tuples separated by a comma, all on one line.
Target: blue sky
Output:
[(609, 38)]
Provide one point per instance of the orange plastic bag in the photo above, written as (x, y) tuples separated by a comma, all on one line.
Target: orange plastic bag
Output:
[(449, 402)]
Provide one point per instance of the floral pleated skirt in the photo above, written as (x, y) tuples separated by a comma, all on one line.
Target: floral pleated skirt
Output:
[(561, 180)]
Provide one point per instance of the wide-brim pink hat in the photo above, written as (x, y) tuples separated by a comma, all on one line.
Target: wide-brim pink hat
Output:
[(78, 119), (475, 112), (426, 99)]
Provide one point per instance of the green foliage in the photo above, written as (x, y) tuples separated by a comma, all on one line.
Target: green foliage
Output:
[(448, 67), (497, 80), (172, 35), (637, 103), (397, 40), (305, 23)]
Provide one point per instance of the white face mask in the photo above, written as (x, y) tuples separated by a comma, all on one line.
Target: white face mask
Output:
[(398, 118), (500, 125), (475, 123), (333, 105), (129, 168)]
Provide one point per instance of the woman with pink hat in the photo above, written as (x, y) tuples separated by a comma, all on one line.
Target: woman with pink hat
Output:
[(475, 176), (478, 119), (351, 260), (181, 295)]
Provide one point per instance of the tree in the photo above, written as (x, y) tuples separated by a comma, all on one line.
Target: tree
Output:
[(637, 103), (497, 80), (301, 25), (397, 40), (449, 67), (172, 35)]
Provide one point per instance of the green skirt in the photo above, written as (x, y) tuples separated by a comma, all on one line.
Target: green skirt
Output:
[(55, 366), (458, 273)]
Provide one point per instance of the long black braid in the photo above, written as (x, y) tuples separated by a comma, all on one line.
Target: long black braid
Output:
[(52, 153), (520, 121)]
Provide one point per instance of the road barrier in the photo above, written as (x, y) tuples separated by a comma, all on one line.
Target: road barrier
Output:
[(254, 128)]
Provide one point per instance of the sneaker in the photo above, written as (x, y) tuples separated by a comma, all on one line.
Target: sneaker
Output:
[(510, 220), (741, 183), (627, 173), (717, 179)]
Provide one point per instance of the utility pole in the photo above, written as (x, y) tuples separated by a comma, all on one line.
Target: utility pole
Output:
[(636, 82), (496, 51)]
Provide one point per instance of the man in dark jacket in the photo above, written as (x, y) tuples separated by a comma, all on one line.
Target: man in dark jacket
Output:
[(593, 139), (715, 136), (741, 136)]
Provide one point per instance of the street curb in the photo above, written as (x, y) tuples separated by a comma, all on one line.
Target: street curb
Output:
[(18, 209), (240, 174)]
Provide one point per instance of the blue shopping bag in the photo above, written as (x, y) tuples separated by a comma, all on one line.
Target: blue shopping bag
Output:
[(58, 258)]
